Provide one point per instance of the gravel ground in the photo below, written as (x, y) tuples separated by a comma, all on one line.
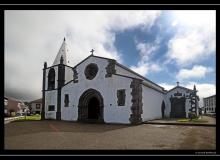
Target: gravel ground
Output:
[(51, 134)]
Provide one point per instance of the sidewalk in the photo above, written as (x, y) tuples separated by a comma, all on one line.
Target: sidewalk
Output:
[(211, 122), (10, 119)]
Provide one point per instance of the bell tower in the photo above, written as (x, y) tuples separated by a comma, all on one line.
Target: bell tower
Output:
[(53, 81)]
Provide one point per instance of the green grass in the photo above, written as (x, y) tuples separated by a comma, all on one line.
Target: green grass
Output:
[(199, 120), (183, 120), (36, 117), (195, 120)]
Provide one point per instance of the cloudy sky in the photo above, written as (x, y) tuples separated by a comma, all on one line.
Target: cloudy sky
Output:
[(164, 46)]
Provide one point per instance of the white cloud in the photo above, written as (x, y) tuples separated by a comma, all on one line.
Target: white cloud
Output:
[(174, 23), (155, 67), (146, 52), (204, 89), (32, 37), (167, 86), (141, 68), (197, 71), (195, 38)]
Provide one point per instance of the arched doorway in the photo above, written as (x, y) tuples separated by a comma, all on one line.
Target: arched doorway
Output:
[(162, 109), (90, 108), (178, 107), (93, 108)]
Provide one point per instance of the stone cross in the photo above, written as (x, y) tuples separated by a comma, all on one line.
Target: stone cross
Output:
[(92, 51)]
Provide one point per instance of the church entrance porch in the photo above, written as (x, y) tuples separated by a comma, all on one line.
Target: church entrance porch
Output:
[(90, 107), (177, 107)]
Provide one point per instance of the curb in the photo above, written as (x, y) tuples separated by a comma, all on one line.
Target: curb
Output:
[(8, 120), (183, 124)]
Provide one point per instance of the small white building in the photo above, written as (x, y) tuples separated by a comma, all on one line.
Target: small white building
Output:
[(102, 90), (36, 106), (209, 104)]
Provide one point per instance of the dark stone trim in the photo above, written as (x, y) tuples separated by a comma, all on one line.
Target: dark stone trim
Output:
[(58, 112), (61, 82), (103, 58), (126, 76), (83, 106), (75, 75), (92, 56), (110, 69), (68, 83), (50, 89), (43, 92), (51, 67), (57, 66), (136, 108), (91, 71), (61, 75), (82, 61), (141, 77)]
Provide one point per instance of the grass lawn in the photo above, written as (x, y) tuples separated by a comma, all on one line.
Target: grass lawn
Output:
[(36, 117), (195, 120)]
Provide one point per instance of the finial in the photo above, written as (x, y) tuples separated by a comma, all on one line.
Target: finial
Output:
[(61, 59), (177, 83), (92, 51), (45, 64), (64, 39), (194, 87)]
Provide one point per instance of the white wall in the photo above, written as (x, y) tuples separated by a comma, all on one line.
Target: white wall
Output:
[(168, 103), (33, 106), (152, 101), (106, 86), (68, 74), (50, 99), (122, 71)]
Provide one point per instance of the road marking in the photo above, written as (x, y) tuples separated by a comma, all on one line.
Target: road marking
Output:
[(56, 130)]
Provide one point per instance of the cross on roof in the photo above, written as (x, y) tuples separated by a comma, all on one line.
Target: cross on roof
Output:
[(92, 51)]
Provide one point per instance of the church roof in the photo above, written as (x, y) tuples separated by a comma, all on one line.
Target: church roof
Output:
[(63, 51), (124, 67), (181, 88)]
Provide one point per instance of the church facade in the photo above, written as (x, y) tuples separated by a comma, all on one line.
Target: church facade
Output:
[(102, 90)]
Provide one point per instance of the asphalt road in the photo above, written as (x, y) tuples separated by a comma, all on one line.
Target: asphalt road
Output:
[(51, 134)]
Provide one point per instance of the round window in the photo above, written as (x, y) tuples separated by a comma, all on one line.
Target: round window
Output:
[(91, 71)]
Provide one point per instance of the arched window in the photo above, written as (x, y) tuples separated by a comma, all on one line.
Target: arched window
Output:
[(51, 79), (163, 109)]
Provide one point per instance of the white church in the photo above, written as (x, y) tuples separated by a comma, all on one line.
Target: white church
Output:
[(102, 90)]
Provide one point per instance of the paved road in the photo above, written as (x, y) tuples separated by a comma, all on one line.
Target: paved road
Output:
[(69, 135)]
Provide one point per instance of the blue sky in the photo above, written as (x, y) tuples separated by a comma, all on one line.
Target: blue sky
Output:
[(125, 42), (164, 46)]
